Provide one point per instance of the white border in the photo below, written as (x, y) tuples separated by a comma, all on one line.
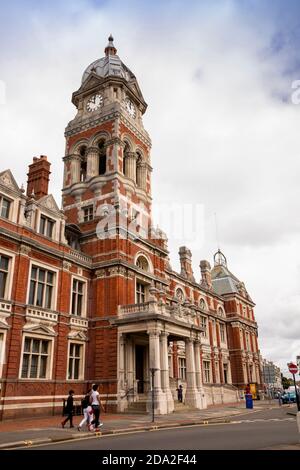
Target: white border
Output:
[(56, 271), (50, 356)]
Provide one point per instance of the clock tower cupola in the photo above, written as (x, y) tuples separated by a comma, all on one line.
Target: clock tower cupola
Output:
[(107, 157)]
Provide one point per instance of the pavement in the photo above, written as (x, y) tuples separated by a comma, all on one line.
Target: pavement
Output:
[(35, 431)]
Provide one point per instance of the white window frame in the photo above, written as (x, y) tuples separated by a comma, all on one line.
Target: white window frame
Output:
[(82, 360), (206, 325), (47, 221), (182, 368), (84, 300), (205, 370), (10, 210), (222, 325), (90, 213), (146, 286), (55, 285), (50, 356), (11, 270)]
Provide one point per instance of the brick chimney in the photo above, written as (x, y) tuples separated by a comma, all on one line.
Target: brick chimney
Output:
[(185, 256), (38, 177), (205, 274)]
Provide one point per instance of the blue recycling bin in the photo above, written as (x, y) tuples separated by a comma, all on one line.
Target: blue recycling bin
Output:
[(249, 400)]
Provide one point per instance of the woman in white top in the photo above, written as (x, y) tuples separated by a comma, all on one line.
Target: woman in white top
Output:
[(96, 403)]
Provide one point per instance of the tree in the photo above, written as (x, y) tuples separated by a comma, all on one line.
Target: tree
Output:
[(285, 382)]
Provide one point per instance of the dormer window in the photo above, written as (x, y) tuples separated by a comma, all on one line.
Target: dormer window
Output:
[(88, 213), (5, 205), (46, 226)]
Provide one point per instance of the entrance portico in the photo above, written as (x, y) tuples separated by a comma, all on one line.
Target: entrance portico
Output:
[(144, 333)]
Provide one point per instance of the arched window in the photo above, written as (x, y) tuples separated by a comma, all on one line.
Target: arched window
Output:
[(82, 153), (102, 157), (179, 294), (142, 263), (221, 312)]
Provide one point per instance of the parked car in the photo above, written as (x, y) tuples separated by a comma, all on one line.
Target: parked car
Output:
[(289, 397)]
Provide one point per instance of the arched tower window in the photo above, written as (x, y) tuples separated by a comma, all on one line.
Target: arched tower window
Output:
[(125, 159), (138, 177), (83, 165), (142, 263), (102, 157)]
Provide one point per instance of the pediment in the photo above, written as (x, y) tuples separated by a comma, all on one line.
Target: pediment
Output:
[(133, 84), (49, 203), (79, 335), (7, 179), (39, 329), (92, 81)]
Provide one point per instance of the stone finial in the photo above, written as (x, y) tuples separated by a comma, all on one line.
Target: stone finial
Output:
[(110, 48), (205, 274)]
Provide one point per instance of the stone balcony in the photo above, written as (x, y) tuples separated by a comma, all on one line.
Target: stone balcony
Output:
[(181, 313), (79, 322), (41, 314), (5, 307)]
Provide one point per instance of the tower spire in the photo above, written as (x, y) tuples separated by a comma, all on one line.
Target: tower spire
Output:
[(110, 48)]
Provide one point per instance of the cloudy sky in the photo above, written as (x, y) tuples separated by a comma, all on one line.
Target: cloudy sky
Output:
[(217, 76)]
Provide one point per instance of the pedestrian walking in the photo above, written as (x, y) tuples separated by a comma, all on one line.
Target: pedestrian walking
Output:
[(279, 399), (87, 410), (179, 393), (96, 405), (69, 409)]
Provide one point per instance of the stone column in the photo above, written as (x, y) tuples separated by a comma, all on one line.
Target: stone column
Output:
[(122, 388), (160, 406), (75, 169), (199, 376), (131, 162), (164, 364), (192, 396), (92, 162), (129, 367)]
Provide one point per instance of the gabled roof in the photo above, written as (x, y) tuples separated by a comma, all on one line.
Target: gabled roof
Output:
[(49, 203), (7, 179)]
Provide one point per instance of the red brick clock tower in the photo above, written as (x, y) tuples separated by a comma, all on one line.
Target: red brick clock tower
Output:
[(107, 200)]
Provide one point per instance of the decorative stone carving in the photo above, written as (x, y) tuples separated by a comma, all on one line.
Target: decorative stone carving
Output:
[(66, 265), (100, 273), (24, 250)]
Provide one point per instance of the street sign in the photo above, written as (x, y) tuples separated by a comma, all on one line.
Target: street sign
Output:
[(292, 368)]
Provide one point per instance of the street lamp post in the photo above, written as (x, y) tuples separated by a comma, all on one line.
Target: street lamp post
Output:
[(153, 370)]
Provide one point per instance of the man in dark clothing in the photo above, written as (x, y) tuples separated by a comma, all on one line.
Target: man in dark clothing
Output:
[(69, 410), (179, 393)]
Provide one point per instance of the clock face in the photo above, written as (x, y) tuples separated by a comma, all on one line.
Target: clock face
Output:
[(130, 108), (95, 102)]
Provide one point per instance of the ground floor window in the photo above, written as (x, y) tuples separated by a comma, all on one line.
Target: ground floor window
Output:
[(75, 361), (206, 367), (182, 368), (36, 356)]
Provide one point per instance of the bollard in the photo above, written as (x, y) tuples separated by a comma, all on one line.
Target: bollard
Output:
[(298, 421)]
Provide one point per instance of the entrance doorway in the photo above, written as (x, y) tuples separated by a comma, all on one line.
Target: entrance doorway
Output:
[(139, 367)]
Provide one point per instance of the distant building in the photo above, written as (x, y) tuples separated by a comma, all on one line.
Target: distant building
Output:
[(271, 375)]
